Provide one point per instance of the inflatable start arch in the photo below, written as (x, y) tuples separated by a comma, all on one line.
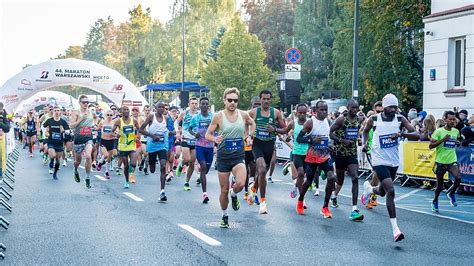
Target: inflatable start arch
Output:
[(63, 72), (47, 97)]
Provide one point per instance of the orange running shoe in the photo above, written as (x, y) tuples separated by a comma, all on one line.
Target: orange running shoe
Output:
[(326, 213), (132, 178), (300, 207)]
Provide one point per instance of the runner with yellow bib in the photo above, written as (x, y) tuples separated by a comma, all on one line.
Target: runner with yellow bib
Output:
[(127, 127)]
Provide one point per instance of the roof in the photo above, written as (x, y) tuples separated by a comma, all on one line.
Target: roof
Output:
[(451, 11)]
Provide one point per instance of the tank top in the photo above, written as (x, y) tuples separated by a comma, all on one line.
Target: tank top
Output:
[(83, 131), (319, 152), (30, 125), (231, 146), (384, 149), (261, 132), (200, 124), (349, 131), (127, 136), (186, 122), (160, 129), (298, 148)]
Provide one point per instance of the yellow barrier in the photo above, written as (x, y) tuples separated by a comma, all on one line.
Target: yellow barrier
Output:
[(3, 150), (419, 160)]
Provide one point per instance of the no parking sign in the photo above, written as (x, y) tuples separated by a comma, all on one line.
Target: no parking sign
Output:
[(293, 56)]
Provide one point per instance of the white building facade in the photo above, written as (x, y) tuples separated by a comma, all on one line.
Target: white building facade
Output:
[(448, 76)]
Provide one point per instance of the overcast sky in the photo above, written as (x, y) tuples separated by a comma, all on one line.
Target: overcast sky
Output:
[(33, 31)]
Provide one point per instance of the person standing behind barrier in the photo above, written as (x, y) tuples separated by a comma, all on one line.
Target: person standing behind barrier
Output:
[(345, 133), (385, 157), (445, 140)]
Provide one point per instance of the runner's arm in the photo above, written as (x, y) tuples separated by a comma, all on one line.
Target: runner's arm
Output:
[(250, 122), (75, 119), (335, 126), (302, 136), (212, 128), (412, 134), (367, 128), (142, 129)]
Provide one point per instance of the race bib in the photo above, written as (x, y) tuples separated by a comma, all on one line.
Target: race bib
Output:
[(352, 133), (161, 139), (233, 144), (127, 129), (262, 133), (191, 142), (107, 129), (56, 136), (387, 142), (323, 144), (204, 124), (450, 144), (84, 130), (31, 127)]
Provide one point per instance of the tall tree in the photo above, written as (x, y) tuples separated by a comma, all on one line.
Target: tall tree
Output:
[(97, 37)]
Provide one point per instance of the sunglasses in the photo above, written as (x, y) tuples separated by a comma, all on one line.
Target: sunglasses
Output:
[(232, 100), (378, 112), (84, 102), (110, 115)]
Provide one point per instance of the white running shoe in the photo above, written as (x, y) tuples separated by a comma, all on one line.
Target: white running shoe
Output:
[(263, 208), (365, 195), (64, 163), (316, 192)]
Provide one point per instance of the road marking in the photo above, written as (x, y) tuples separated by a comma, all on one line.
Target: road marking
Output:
[(277, 180), (101, 177), (81, 166), (407, 195), (135, 198), (209, 240)]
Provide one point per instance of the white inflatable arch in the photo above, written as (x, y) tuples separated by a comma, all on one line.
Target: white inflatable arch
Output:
[(63, 72), (47, 97)]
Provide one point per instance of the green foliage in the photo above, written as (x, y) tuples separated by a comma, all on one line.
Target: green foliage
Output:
[(212, 51), (240, 64)]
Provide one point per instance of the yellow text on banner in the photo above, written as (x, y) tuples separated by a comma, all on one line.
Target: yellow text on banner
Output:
[(419, 160)]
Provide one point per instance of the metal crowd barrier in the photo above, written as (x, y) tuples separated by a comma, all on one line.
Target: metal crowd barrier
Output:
[(9, 156)]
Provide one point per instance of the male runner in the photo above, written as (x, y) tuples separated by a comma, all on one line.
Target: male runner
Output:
[(142, 151), (250, 162), (445, 140), (157, 143), (67, 136), (230, 123), (54, 129), (127, 127), (82, 123), (315, 132), (204, 148), (189, 142), (31, 131), (267, 119), (385, 158), (345, 133), (172, 113)]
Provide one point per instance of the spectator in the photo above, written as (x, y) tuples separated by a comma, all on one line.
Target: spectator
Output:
[(4, 122), (462, 117), (428, 128), (468, 132), (412, 114), (440, 123)]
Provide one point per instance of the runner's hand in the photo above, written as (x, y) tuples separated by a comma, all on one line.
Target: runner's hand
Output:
[(446, 138), (269, 128), (218, 139), (316, 139), (395, 136), (61, 129), (346, 142)]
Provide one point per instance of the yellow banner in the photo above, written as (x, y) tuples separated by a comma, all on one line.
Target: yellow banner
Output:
[(3, 151), (418, 159)]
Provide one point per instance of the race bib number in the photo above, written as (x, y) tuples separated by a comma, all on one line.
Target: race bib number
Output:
[(352, 133), (160, 140), (31, 127), (450, 144), (56, 136), (107, 129), (127, 129), (324, 144), (262, 133), (191, 142), (386, 141), (233, 144), (204, 124), (85, 130)]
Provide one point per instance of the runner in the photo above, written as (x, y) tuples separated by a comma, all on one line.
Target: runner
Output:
[(188, 143), (230, 123), (267, 119), (157, 143), (385, 158), (204, 148), (67, 137), (107, 143), (48, 113), (315, 132), (31, 131), (54, 129), (82, 123), (142, 151), (345, 133), (127, 127), (250, 162), (446, 158), (172, 116)]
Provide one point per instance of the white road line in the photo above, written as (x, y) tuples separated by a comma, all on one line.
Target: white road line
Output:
[(209, 240), (277, 180), (82, 166), (101, 177), (135, 198), (407, 195)]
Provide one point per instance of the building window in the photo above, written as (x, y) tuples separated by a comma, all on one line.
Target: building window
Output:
[(458, 62)]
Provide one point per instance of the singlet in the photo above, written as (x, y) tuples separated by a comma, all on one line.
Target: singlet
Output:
[(349, 131), (298, 148), (83, 131), (160, 129), (30, 125), (186, 122), (319, 152), (127, 136), (199, 124), (261, 132), (384, 149), (107, 130), (232, 143)]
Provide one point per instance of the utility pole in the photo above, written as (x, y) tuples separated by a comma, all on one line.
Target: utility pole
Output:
[(355, 52), (183, 44)]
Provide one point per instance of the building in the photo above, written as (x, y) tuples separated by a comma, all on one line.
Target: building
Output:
[(448, 76)]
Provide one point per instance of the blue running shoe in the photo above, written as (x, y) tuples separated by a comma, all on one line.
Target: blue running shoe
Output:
[(434, 206), (452, 199), (256, 200)]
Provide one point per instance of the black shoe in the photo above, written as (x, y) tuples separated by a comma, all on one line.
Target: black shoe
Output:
[(205, 200), (55, 176), (145, 171), (225, 221), (76, 177), (198, 181), (88, 183), (235, 203)]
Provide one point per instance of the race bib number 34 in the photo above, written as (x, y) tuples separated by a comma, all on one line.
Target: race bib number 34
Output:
[(233, 144), (386, 141)]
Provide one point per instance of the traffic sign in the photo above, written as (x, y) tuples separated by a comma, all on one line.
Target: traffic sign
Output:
[(292, 68), (293, 56), (293, 75)]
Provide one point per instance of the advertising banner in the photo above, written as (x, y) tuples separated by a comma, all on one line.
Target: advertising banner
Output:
[(466, 164), (418, 159)]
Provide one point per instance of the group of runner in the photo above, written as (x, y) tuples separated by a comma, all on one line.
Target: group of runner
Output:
[(244, 144)]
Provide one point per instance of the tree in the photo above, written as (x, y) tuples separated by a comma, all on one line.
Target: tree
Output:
[(212, 51), (72, 52), (98, 36), (240, 64)]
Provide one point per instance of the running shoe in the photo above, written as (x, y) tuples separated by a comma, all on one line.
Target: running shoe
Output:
[(132, 178), (246, 195), (294, 192), (373, 197), (65, 163), (270, 179), (286, 168), (205, 198), (187, 187), (126, 185), (235, 203), (51, 171), (175, 164), (55, 176), (179, 170), (168, 178), (364, 198), (452, 199), (198, 181), (225, 222), (163, 197), (323, 175), (334, 202), (263, 208), (250, 199), (300, 207), (434, 206), (399, 237), (31, 155), (75, 174), (94, 164), (99, 166), (107, 175), (118, 172), (145, 171), (256, 200), (356, 216), (140, 168), (184, 169), (304, 205), (326, 213), (51, 164), (88, 183), (316, 192)]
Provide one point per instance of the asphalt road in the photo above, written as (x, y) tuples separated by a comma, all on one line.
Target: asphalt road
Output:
[(62, 222)]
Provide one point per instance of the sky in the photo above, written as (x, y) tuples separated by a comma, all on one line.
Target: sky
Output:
[(33, 31)]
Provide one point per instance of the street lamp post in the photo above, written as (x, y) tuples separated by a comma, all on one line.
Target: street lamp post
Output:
[(183, 44), (355, 55)]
